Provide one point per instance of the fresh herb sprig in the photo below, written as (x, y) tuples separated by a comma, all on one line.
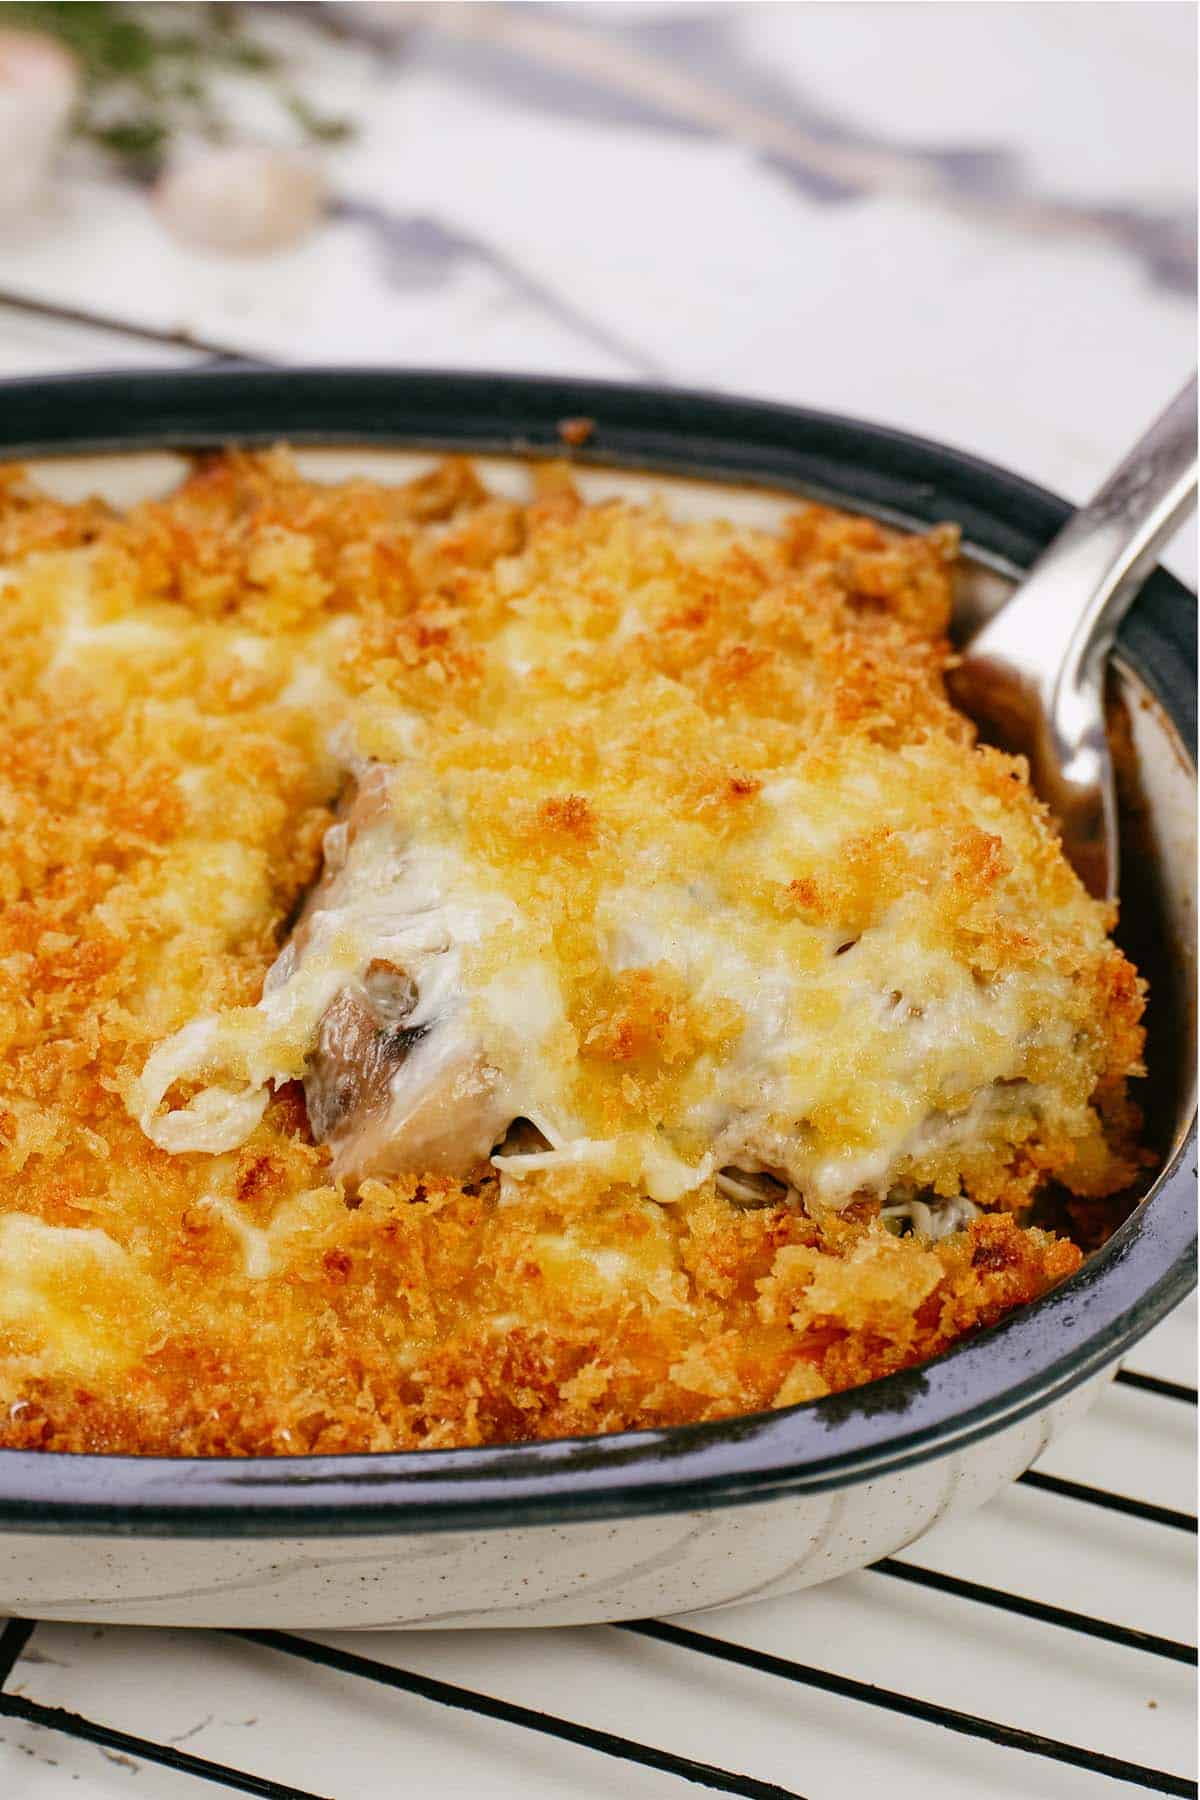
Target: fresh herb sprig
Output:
[(147, 71)]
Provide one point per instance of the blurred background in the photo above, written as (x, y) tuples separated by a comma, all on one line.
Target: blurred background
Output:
[(976, 221)]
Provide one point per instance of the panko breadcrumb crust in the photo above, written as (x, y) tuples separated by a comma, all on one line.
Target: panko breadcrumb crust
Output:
[(165, 781)]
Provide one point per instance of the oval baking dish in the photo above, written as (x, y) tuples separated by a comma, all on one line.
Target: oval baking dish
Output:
[(575, 1530)]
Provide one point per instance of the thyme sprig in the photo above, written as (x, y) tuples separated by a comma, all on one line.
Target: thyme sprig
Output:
[(147, 73)]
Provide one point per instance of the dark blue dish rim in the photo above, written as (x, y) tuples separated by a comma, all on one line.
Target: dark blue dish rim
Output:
[(1016, 1368)]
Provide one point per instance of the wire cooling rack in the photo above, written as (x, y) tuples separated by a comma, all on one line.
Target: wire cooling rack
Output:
[(1035, 1649)]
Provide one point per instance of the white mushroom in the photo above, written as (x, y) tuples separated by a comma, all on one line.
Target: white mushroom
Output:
[(753, 1187), (397, 1078), (38, 85), (243, 199), (933, 1219)]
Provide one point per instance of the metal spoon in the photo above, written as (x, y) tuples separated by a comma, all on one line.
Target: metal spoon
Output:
[(1033, 676)]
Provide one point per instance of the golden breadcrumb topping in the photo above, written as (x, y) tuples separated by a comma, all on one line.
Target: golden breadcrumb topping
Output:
[(779, 986)]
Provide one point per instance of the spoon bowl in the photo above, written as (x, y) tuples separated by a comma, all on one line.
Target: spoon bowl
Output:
[(1033, 676)]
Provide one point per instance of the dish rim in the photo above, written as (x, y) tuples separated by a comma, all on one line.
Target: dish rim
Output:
[(1030, 1359)]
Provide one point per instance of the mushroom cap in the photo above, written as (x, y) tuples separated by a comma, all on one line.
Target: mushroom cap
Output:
[(242, 198), (39, 81)]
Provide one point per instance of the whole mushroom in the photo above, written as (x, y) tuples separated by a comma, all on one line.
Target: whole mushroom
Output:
[(245, 199), (39, 82)]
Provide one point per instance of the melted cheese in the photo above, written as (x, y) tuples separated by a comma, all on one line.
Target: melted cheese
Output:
[(840, 1033), (55, 1284)]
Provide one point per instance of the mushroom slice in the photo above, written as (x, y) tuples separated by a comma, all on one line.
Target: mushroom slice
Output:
[(362, 808), (752, 1187), (934, 1219), (397, 1078), (388, 1097), (359, 1048)]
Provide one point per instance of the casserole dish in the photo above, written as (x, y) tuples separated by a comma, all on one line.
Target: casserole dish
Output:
[(572, 1530)]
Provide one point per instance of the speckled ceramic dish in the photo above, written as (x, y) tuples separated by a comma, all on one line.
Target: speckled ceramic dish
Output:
[(615, 1527)]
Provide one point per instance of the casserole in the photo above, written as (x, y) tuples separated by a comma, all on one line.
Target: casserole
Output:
[(576, 1529)]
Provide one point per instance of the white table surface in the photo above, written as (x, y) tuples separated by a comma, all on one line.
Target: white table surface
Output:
[(979, 225)]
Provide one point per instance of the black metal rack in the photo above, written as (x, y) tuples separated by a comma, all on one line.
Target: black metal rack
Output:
[(17, 1634)]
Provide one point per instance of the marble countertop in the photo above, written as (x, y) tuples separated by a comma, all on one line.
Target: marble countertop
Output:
[(975, 222)]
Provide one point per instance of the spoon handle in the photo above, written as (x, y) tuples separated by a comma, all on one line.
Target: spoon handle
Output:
[(1080, 588)]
